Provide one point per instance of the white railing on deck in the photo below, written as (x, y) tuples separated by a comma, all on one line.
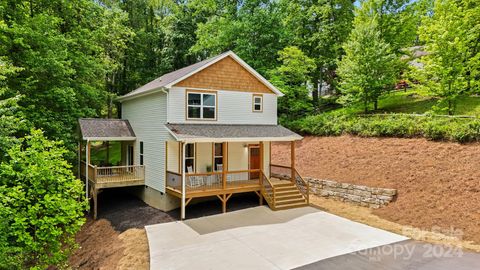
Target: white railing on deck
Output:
[(114, 173)]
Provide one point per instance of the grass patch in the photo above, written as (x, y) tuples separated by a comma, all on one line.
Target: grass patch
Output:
[(401, 114), (415, 102)]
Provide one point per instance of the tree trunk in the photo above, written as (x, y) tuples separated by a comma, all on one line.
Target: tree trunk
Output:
[(375, 104), (315, 95), (365, 104)]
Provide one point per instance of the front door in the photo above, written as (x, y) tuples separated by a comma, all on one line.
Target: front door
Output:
[(254, 160)]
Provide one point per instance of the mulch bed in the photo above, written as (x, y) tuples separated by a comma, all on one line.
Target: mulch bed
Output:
[(438, 183)]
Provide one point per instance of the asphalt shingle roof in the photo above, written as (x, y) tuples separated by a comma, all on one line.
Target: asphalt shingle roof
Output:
[(105, 128), (219, 131)]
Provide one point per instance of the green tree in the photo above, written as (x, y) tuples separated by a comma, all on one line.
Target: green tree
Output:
[(64, 51), (41, 204), (368, 67), (252, 29), (293, 77), (446, 35), (319, 28)]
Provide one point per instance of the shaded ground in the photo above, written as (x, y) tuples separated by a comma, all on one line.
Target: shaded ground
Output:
[(438, 183), (117, 239)]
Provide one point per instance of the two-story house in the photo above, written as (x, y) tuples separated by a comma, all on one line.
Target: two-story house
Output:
[(201, 131)]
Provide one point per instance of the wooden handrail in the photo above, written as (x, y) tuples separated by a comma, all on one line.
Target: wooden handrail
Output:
[(307, 185), (221, 172), (281, 166), (270, 184), (178, 174)]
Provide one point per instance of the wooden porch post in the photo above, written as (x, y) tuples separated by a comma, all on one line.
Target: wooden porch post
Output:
[(292, 159), (225, 164), (182, 211), (261, 157), (87, 162), (80, 159)]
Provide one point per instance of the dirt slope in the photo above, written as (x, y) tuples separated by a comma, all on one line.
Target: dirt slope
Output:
[(438, 182)]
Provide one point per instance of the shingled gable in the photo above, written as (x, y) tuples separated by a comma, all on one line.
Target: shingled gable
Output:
[(105, 129), (179, 77)]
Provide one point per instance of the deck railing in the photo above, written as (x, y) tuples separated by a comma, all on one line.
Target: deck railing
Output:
[(114, 174), (213, 180), (267, 190), (285, 173)]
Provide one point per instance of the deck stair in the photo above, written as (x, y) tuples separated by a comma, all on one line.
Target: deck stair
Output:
[(287, 195)]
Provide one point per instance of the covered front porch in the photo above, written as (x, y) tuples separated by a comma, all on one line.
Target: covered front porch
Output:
[(223, 164)]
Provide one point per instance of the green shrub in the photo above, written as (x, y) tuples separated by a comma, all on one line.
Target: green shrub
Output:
[(41, 205), (389, 125)]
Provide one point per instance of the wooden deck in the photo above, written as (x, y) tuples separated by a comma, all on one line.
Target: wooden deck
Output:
[(114, 176), (238, 186)]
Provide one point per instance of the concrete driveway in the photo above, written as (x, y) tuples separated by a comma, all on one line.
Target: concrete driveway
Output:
[(258, 238)]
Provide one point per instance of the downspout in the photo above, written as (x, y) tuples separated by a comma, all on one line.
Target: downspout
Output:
[(87, 162)]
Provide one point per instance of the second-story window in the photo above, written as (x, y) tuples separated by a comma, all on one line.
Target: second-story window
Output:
[(257, 103), (201, 106)]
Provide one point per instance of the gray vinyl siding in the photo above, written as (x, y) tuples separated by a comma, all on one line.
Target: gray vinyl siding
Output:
[(147, 116)]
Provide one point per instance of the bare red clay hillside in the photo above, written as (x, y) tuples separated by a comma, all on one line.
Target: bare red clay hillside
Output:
[(438, 183)]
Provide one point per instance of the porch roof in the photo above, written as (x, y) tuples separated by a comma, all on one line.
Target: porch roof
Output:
[(225, 133), (97, 129)]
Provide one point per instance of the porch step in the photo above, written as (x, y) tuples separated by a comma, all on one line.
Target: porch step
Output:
[(292, 205), (283, 197), (287, 196), (286, 192), (290, 201), (285, 188)]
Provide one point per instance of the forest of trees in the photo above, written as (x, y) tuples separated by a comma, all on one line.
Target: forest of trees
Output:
[(63, 60)]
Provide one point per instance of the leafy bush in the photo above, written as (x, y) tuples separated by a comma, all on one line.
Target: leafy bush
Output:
[(41, 205), (389, 125)]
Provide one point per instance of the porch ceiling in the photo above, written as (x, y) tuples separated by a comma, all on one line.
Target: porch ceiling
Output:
[(97, 129), (230, 133)]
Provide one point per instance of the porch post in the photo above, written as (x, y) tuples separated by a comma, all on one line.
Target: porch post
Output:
[(225, 164), (182, 214), (80, 159), (261, 157), (292, 159), (87, 162)]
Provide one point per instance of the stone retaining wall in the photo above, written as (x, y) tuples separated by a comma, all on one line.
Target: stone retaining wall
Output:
[(360, 195)]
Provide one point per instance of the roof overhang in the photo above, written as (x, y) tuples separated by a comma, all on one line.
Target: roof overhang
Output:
[(109, 138), (98, 129), (191, 133)]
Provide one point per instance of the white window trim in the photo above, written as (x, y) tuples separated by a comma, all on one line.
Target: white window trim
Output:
[(201, 106), (256, 103)]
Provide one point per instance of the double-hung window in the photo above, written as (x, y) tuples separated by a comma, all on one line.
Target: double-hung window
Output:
[(257, 103), (201, 105)]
